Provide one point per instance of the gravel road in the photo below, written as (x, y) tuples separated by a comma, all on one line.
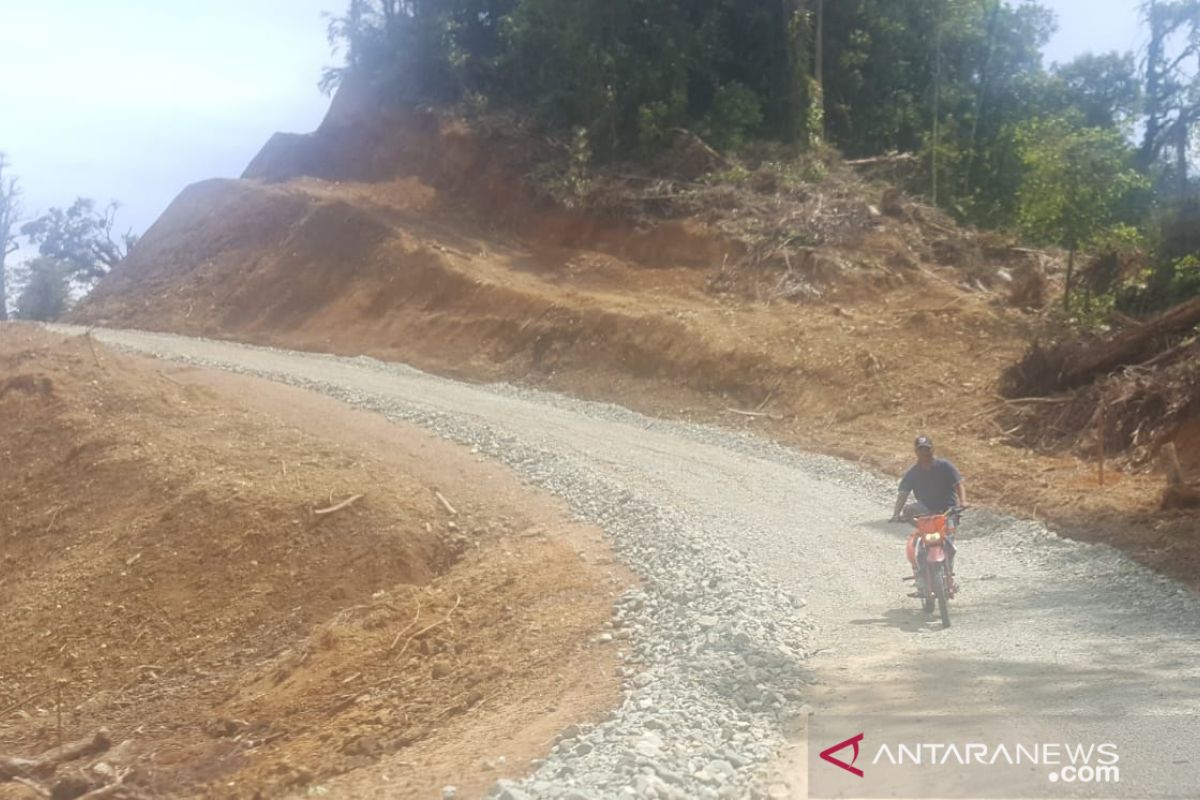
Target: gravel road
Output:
[(772, 587)]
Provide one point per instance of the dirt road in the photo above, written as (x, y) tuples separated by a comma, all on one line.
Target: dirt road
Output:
[(1043, 625)]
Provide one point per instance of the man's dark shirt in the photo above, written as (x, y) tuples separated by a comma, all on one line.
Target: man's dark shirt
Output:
[(933, 487)]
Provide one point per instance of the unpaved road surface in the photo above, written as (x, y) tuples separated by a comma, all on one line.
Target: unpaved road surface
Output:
[(773, 587)]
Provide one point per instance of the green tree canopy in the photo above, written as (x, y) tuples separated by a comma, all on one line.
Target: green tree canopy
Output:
[(1105, 88), (630, 71), (1075, 181)]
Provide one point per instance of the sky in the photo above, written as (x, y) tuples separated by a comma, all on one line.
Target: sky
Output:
[(1092, 25), (132, 100)]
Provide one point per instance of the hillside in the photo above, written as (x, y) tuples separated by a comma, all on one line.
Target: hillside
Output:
[(181, 571), (824, 310)]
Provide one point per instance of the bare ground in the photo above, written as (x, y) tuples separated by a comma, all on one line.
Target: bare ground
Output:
[(165, 575)]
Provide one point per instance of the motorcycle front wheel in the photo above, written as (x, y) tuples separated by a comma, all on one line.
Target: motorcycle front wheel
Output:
[(939, 586)]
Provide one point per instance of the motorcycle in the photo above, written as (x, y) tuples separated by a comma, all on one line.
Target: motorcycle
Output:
[(927, 550)]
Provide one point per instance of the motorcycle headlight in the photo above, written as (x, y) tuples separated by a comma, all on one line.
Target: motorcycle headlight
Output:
[(933, 538)]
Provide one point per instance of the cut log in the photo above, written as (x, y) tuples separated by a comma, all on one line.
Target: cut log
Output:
[(47, 762), (1133, 346), (89, 746), (12, 767)]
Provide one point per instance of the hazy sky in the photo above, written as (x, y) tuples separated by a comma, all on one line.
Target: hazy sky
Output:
[(1095, 25), (134, 99)]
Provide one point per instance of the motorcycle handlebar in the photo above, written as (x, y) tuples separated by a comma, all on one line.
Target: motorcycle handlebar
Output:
[(953, 511)]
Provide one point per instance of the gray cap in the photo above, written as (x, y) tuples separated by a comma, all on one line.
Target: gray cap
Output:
[(923, 441)]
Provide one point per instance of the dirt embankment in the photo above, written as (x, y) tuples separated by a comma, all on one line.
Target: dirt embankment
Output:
[(414, 238), (172, 571)]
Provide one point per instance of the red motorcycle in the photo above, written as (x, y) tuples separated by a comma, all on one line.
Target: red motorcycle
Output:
[(930, 549)]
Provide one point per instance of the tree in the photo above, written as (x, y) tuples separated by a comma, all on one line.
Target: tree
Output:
[(9, 212), (81, 239), (971, 69), (628, 71), (1105, 88), (1172, 82), (46, 292), (1075, 181), (420, 50)]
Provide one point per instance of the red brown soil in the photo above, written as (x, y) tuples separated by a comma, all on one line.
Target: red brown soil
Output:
[(423, 250), (164, 569)]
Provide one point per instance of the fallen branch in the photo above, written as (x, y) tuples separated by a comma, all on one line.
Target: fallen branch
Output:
[(988, 408), (1170, 354), (461, 254), (33, 786), (756, 414), (446, 504), (12, 767), (36, 695), (96, 743), (770, 394), (428, 628), (747, 413), (407, 627), (664, 181), (344, 504), (889, 158), (1036, 400), (109, 790)]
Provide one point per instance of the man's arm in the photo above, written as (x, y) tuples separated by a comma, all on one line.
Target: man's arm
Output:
[(906, 486), (960, 491)]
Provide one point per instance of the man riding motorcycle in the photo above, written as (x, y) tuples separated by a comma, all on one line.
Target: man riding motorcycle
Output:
[(938, 487)]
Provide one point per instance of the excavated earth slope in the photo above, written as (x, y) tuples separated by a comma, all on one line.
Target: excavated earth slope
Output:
[(166, 573)]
